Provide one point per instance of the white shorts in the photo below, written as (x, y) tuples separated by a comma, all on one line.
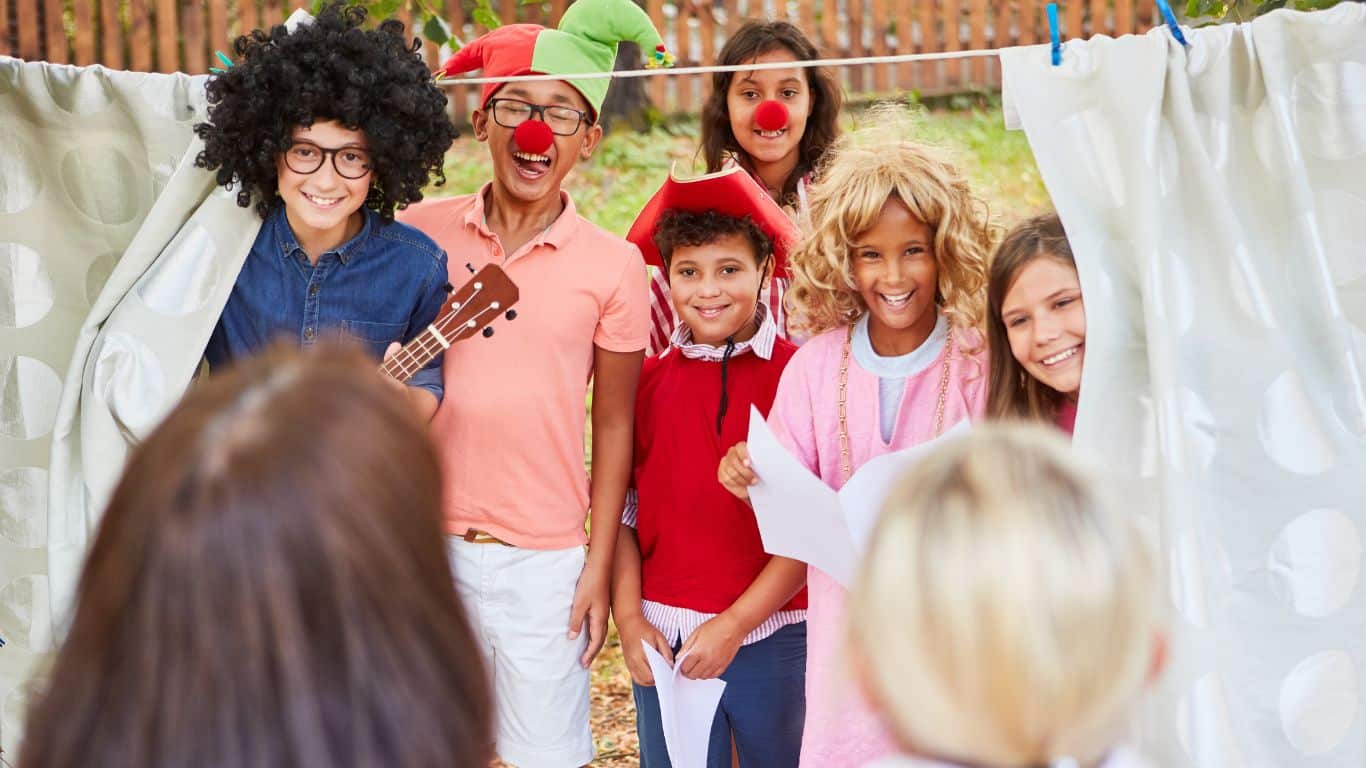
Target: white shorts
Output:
[(518, 601)]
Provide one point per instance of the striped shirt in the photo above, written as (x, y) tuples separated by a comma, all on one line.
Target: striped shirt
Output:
[(675, 623)]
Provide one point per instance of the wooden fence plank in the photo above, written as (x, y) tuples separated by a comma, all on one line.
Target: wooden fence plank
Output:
[(168, 48), (853, 24), (1001, 37), (192, 19), (54, 30), (83, 16), (977, 39), (111, 35), (927, 77), (733, 17), (683, 86), (1124, 17), (830, 35), (953, 41), (26, 18), (806, 20), (139, 36), (658, 88), (1027, 20), (556, 11), (218, 30), (708, 28), (1071, 24), (248, 17), (272, 14), (4, 29), (458, 95), (903, 13), (881, 22), (1147, 11), (1100, 18)]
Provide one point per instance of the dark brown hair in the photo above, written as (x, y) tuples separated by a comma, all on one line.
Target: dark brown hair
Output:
[(270, 588), (1013, 393), (678, 228), (752, 40)]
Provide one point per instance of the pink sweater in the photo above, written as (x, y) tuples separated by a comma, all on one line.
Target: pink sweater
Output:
[(841, 730)]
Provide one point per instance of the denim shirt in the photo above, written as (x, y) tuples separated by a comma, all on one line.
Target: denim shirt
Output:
[(386, 284)]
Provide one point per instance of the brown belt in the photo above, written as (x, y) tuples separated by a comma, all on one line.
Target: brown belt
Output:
[(475, 536)]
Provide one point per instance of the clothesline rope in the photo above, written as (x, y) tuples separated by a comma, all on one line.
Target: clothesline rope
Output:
[(708, 69)]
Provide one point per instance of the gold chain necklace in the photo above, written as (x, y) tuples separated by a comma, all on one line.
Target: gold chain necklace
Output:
[(844, 390)]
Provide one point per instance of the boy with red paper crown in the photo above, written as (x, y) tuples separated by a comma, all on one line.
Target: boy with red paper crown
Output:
[(692, 579), (511, 435)]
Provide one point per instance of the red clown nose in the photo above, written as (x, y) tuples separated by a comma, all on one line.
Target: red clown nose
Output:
[(771, 115), (533, 136)]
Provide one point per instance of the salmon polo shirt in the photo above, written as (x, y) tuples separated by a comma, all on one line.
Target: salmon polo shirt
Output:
[(510, 430)]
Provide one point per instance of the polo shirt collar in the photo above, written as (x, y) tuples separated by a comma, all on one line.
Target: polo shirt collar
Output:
[(560, 231), (288, 244)]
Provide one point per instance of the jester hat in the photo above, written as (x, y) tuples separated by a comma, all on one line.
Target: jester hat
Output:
[(731, 192), (586, 41)]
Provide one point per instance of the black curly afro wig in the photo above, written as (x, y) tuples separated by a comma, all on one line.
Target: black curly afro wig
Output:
[(372, 80)]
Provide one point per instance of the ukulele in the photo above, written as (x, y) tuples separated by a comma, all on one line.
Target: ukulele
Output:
[(468, 311)]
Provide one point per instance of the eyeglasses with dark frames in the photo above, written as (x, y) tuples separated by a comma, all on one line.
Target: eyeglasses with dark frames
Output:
[(305, 157), (562, 121)]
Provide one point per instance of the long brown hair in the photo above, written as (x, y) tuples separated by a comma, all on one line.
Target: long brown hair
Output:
[(270, 588), (752, 40), (1013, 393)]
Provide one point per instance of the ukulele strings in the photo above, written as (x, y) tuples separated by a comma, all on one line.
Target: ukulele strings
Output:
[(428, 342)]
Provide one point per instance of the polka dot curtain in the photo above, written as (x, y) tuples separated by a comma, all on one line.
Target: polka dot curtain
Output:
[(116, 256), (1215, 196)]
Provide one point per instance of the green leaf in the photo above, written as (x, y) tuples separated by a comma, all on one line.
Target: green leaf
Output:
[(1269, 6), (436, 30), (383, 9), (485, 16)]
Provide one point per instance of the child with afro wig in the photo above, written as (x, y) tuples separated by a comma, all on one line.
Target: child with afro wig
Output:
[(325, 128)]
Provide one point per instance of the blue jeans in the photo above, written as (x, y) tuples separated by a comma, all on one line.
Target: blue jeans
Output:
[(763, 707)]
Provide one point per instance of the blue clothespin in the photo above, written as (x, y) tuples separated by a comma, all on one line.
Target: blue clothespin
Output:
[(1170, 17), (227, 63), (1053, 35)]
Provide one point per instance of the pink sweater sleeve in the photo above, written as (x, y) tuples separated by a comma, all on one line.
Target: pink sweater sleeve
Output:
[(792, 418)]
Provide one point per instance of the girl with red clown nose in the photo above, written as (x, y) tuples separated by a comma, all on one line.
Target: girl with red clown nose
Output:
[(774, 123)]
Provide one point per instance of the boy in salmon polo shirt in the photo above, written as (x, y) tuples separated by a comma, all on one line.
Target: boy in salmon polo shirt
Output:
[(691, 578), (511, 433)]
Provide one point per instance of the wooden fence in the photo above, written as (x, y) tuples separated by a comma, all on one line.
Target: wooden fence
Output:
[(181, 35)]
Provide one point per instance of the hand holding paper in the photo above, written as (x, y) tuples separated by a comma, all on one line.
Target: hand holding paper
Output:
[(803, 518), (687, 708)]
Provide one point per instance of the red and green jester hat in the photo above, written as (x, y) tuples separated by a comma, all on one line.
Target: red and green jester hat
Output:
[(585, 42)]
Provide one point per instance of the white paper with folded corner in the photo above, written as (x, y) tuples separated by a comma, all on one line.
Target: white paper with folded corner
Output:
[(686, 708), (803, 518)]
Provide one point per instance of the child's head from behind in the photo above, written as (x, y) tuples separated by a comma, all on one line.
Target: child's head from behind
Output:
[(895, 231), (531, 166), (716, 265), (810, 96), (285, 82), (1006, 614), (272, 554), (1036, 322)]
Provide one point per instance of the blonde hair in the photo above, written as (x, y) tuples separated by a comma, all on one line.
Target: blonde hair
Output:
[(864, 170), (1005, 615)]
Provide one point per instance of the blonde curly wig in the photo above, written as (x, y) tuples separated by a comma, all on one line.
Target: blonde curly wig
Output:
[(864, 169)]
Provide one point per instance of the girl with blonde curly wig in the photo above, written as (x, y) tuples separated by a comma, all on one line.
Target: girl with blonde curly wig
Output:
[(891, 283)]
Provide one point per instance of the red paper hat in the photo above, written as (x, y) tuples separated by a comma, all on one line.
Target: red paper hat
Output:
[(732, 192)]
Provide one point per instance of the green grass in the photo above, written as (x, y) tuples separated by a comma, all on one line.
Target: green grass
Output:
[(628, 167)]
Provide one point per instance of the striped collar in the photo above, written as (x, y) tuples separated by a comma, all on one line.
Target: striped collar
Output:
[(761, 342)]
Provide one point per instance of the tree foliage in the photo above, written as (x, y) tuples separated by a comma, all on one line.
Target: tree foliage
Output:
[(1215, 11)]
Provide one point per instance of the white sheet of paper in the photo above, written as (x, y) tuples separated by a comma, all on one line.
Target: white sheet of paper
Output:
[(799, 515), (687, 708), (802, 518)]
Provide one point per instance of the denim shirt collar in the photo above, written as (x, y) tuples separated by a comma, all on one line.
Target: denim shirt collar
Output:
[(289, 244)]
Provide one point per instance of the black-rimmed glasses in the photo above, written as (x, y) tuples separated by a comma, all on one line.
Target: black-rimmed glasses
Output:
[(562, 121), (305, 157)]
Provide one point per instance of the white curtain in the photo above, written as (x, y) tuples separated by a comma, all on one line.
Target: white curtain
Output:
[(1215, 197), (116, 257)]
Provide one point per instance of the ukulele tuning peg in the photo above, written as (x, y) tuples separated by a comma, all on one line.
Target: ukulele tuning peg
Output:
[(488, 332), (470, 267), (511, 314), (448, 287)]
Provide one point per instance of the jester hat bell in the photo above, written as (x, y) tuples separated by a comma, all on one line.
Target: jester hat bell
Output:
[(585, 41), (731, 192)]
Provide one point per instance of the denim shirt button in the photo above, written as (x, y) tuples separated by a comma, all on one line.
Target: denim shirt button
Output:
[(313, 289), (308, 334)]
